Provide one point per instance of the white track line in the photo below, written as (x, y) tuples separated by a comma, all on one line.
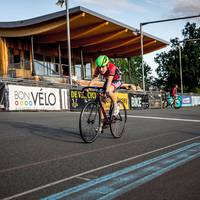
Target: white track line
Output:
[(158, 118), (96, 169), (164, 118)]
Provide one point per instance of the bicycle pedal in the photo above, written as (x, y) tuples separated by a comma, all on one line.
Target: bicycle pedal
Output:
[(114, 119), (99, 130), (105, 126)]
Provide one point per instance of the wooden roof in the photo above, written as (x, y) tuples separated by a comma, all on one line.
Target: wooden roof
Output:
[(92, 32)]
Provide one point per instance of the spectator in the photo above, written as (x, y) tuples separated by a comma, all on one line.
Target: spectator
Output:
[(174, 90)]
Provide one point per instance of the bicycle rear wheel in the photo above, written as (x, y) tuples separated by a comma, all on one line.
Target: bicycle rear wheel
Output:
[(89, 121), (177, 103), (117, 126)]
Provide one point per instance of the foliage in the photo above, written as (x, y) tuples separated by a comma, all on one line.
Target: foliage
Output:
[(169, 63), (131, 69)]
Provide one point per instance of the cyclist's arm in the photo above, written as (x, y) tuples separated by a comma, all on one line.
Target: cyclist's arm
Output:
[(110, 78), (92, 81), (95, 77)]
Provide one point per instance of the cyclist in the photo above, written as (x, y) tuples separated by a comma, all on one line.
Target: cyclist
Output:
[(112, 76), (174, 91)]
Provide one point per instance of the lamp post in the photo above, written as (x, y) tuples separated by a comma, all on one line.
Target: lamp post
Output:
[(180, 63), (142, 57), (141, 33), (180, 60), (60, 3)]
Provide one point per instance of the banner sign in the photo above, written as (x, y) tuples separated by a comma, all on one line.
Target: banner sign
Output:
[(78, 100), (124, 98), (186, 101), (195, 100), (120, 96), (138, 101), (33, 98)]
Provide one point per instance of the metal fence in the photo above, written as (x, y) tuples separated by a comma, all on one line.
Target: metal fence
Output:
[(155, 99), (29, 82)]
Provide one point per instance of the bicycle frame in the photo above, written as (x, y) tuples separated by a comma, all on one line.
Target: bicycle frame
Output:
[(107, 120)]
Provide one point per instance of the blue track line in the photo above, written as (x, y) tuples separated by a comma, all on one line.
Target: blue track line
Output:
[(124, 180)]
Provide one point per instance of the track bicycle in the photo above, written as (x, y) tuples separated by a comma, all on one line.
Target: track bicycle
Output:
[(175, 102), (91, 113)]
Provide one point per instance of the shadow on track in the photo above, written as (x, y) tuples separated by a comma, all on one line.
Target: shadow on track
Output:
[(66, 134)]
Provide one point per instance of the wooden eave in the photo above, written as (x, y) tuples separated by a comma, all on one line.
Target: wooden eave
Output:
[(90, 31)]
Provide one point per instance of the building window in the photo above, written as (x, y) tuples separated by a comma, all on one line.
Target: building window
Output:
[(65, 70), (88, 71), (10, 55), (27, 59), (45, 65), (78, 71), (84, 73), (52, 68), (16, 58)]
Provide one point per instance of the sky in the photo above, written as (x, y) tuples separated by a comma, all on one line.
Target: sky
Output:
[(130, 12)]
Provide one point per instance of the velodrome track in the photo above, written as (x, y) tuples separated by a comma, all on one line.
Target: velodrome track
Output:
[(43, 157)]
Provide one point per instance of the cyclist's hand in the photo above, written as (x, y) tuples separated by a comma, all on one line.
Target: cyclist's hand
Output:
[(106, 95), (85, 92)]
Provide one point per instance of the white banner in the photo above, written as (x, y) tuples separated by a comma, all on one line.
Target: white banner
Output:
[(195, 100), (33, 98), (65, 99)]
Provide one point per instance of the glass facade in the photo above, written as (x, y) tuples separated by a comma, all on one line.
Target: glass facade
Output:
[(44, 68), (88, 71), (46, 65), (18, 61)]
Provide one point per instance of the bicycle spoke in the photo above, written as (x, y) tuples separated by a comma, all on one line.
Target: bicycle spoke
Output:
[(117, 126), (89, 121)]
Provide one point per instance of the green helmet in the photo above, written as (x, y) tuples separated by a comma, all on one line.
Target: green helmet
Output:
[(102, 61)]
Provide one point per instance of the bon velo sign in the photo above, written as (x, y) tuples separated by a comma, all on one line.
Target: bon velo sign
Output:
[(33, 98)]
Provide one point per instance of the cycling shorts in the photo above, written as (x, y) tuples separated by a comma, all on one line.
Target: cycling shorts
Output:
[(115, 83)]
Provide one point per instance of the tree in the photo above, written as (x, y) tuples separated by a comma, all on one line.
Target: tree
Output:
[(168, 62), (191, 58), (132, 70), (168, 66)]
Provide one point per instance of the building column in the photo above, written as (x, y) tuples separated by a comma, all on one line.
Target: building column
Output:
[(32, 57), (82, 66), (60, 62), (3, 58)]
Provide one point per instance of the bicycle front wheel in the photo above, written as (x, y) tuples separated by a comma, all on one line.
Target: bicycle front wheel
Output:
[(117, 126), (89, 122), (164, 104)]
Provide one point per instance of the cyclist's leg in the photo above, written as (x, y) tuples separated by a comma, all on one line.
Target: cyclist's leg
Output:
[(114, 98), (113, 87), (103, 123), (112, 94), (103, 102), (174, 100)]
